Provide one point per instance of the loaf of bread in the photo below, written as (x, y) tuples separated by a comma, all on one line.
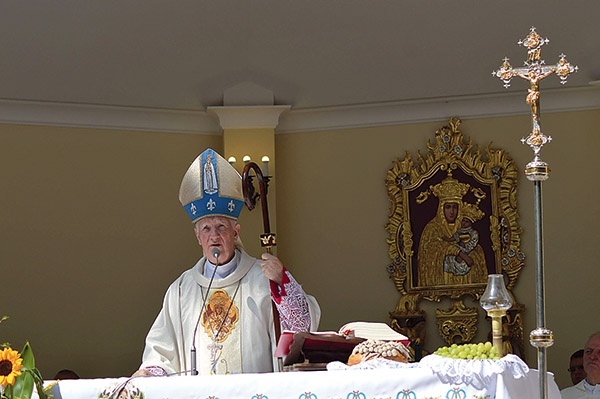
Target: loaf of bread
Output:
[(372, 349)]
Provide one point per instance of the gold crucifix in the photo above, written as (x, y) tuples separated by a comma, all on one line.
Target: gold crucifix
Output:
[(534, 71)]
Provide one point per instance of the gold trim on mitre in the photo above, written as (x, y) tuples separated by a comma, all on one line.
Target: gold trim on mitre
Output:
[(211, 187), (450, 190)]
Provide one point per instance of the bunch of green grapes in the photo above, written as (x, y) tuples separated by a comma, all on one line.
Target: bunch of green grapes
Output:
[(478, 351)]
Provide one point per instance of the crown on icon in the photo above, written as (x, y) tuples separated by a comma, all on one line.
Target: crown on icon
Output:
[(450, 189)]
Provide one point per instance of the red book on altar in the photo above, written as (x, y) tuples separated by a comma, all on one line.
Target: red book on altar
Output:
[(316, 349)]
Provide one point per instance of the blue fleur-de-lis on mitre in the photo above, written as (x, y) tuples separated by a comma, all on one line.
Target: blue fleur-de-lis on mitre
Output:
[(356, 395), (307, 395), (456, 393), (210, 205), (231, 206), (260, 396), (406, 394)]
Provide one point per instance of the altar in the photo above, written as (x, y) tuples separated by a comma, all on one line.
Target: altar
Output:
[(409, 381)]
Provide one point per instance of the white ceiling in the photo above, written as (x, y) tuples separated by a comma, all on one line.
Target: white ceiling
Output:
[(174, 57)]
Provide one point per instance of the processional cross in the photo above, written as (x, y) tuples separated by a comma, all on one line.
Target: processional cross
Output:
[(534, 71)]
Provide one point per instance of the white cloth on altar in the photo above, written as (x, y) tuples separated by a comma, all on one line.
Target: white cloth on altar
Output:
[(403, 383), (251, 344), (372, 364), (478, 373)]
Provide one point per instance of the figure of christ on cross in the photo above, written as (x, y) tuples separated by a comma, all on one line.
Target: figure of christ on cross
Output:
[(534, 71)]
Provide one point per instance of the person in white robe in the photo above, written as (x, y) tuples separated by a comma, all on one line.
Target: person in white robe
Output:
[(217, 317), (589, 387)]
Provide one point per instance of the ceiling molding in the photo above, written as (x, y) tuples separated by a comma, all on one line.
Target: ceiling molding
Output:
[(296, 120), (418, 111), (249, 117), (107, 117)]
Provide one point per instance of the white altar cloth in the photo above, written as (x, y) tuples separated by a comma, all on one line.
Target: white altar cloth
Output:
[(401, 383)]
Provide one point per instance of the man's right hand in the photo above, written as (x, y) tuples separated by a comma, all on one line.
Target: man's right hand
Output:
[(142, 373)]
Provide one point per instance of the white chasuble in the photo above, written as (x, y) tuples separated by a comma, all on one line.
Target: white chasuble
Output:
[(246, 342)]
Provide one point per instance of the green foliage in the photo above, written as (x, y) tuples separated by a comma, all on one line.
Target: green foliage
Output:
[(24, 384), (30, 376)]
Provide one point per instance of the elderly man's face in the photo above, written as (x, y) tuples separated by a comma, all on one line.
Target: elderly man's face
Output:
[(217, 232), (591, 359)]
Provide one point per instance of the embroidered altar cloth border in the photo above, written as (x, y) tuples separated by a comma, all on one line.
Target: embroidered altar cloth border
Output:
[(400, 383)]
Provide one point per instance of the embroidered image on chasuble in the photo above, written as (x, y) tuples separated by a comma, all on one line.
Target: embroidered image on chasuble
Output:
[(221, 333)]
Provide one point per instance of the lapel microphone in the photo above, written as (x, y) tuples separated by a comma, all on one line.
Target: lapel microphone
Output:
[(215, 253)]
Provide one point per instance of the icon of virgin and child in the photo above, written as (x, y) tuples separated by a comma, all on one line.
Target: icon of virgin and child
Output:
[(449, 252)]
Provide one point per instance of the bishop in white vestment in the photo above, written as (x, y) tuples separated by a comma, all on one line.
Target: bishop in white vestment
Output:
[(217, 317)]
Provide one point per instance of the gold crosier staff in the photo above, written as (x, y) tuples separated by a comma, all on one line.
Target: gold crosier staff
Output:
[(267, 239)]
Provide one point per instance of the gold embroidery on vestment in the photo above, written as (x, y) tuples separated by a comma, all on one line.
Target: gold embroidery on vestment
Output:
[(220, 316)]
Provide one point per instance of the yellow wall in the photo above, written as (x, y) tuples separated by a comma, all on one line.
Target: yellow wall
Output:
[(93, 233)]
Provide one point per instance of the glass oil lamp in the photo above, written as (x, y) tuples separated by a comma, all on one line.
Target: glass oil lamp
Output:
[(496, 301)]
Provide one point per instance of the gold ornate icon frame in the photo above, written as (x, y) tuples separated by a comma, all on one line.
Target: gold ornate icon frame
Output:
[(426, 266)]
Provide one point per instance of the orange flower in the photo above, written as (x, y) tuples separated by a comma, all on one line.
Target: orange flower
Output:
[(10, 366)]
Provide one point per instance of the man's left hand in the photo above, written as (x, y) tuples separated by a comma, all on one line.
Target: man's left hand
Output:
[(272, 267)]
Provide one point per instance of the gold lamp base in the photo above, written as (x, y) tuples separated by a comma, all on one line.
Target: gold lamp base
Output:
[(496, 316)]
